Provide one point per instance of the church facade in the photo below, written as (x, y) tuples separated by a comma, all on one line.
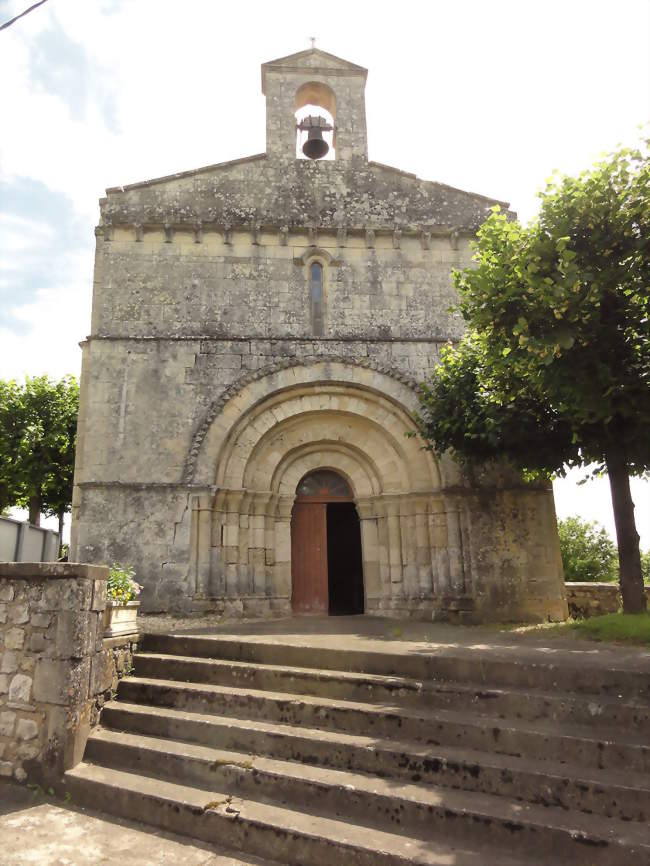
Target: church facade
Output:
[(259, 329)]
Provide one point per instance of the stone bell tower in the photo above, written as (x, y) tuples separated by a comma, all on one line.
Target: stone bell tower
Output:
[(314, 77)]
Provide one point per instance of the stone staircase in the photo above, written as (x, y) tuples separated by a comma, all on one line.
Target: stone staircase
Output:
[(325, 756)]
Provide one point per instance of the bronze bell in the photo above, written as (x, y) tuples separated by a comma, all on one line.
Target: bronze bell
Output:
[(315, 147)]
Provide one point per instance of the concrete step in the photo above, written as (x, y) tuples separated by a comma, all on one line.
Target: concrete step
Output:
[(586, 746), (494, 666), (611, 793), (295, 837), (510, 702), (418, 810)]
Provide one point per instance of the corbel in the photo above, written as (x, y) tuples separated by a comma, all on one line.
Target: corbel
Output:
[(227, 234), (198, 232), (168, 228), (108, 230), (370, 239), (284, 236), (255, 234), (137, 228), (342, 236), (311, 236), (425, 240), (453, 238), (397, 238)]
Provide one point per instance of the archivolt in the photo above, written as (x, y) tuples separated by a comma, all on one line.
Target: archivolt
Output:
[(289, 371), (360, 425)]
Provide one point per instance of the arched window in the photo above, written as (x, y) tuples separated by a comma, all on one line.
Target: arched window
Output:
[(316, 297), (324, 484)]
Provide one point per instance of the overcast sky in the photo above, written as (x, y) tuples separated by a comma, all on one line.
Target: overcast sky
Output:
[(488, 97)]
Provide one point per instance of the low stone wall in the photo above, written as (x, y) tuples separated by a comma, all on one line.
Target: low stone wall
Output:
[(55, 669), (594, 599), (115, 662)]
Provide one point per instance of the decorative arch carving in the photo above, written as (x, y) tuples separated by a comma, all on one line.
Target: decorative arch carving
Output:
[(408, 383)]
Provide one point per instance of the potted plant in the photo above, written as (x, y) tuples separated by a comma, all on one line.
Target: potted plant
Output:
[(120, 614)]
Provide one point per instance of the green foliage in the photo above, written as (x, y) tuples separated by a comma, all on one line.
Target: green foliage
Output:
[(588, 553), (645, 566), (562, 307), (629, 627), (121, 586), (38, 425), (467, 410), (554, 370), (558, 315)]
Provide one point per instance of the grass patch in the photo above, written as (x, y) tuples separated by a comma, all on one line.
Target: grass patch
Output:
[(627, 627)]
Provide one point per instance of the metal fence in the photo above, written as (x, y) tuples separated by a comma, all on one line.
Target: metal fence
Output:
[(22, 542)]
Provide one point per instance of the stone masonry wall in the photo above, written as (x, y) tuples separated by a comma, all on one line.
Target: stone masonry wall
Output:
[(52, 664), (594, 599)]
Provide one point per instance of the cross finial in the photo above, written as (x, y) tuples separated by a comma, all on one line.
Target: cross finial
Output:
[(313, 41)]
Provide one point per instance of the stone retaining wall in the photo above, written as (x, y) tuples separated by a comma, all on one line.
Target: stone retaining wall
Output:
[(594, 599), (55, 668)]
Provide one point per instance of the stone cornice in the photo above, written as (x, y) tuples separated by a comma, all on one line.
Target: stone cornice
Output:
[(167, 224)]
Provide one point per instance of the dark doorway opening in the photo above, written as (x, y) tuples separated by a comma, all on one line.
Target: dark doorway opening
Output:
[(344, 560)]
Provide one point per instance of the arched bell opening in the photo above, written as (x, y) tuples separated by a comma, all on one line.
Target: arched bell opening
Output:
[(326, 556), (315, 115)]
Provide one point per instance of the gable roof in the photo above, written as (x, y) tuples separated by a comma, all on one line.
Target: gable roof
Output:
[(314, 60)]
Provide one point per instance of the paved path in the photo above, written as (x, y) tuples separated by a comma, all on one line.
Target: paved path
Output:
[(38, 832)]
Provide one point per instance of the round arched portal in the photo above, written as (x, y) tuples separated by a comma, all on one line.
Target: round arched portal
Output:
[(268, 440), (326, 558)]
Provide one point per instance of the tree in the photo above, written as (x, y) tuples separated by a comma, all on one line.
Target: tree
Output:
[(38, 425), (558, 346), (588, 553)]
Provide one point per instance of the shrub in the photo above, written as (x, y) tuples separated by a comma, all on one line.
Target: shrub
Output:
[(121, 586), (588, 553)]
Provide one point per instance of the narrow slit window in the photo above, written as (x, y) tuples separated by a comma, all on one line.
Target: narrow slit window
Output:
[(316, 291)]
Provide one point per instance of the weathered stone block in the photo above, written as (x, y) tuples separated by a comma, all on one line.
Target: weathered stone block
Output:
[(20, 689), (75, 633), (19, 613), (41, 620), (6, 590), (61, 682), (99, 595), (37, 642), (6, 768), (7, 722), (3, 613), (26, 729), (4, 684), (101, 672), (14, 638), (9, 663)]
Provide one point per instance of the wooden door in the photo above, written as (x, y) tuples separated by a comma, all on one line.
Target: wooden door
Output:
[(309, 558)]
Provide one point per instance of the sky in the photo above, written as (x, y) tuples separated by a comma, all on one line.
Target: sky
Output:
[(489, 97)]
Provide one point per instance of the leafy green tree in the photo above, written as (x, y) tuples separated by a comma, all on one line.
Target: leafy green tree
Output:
[(588, 553), (38, 425), (645, 565), (558, 343)]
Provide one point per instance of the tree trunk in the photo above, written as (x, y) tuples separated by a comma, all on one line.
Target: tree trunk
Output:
[(35, 510), (629, 556)]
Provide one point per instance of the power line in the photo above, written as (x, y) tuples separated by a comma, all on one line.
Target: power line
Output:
[(9, 23)]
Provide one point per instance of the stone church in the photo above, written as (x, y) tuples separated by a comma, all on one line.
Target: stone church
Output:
[(259, 329)]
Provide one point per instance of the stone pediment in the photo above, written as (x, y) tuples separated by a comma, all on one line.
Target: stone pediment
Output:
[(314, 59), (255, 191)]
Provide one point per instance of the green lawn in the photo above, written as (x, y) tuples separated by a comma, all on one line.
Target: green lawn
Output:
[(628, 627)]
